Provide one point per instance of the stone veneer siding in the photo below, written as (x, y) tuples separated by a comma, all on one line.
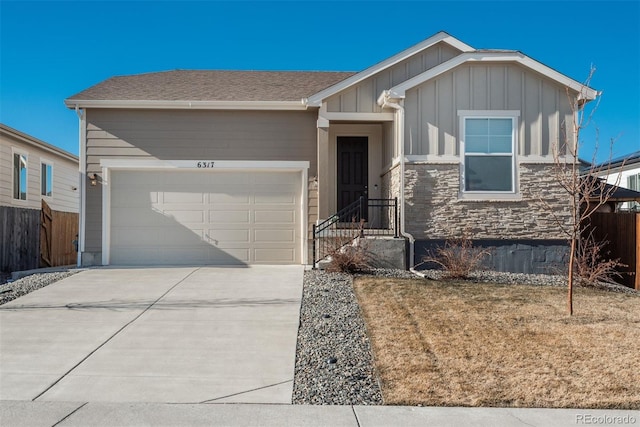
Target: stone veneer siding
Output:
[(433, 210)]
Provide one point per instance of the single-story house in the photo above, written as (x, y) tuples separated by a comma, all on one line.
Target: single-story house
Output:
[(218, 167)]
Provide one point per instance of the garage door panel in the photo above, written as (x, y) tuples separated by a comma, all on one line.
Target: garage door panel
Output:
[(272, 255), (226, 254), (149, 236), (231, 179), (186, 216), (205, 217), (142, 198), (275, 217), (229, 217), (226, 198), (268, 236), (229, 235), (279, 178), (275, 198), (182, 197), (136, 179), (139, 217)]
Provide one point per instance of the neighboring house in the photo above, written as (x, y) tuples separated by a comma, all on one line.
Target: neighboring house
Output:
[(624, 172), (32, 170), (198, 167)]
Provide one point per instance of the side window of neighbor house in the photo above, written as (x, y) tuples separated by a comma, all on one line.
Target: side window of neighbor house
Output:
[(46, 179), (488, 154), (633, 183), (19, 176)]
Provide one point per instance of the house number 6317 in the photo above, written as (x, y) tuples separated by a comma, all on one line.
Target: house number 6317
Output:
[(205, 164)]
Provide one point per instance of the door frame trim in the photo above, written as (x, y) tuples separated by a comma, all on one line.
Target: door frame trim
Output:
[(374, 132), (109, 165)]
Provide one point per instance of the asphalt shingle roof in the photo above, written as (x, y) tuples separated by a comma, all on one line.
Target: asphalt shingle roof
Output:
[(205, 85)]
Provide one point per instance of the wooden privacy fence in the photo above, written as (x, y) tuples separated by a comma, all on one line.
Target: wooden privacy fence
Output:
[(31, 238), (622, 231), (19, 238), (59, 231)]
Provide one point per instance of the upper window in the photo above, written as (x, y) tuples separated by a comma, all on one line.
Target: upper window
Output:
[(46, 179), (488, 148), (19, 176)]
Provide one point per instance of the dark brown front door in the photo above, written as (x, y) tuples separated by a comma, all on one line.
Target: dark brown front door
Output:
[(352, 170)]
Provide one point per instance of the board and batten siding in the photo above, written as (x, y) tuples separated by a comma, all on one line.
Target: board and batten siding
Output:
[(192, 135), (432, 122), (362, 97), (65, 177)]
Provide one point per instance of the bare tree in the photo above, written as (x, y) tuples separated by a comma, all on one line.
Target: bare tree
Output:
[(586, 190)]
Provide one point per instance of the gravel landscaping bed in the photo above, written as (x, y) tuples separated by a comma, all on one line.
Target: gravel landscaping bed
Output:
[(12, 290), (526, 279), (333, 357)]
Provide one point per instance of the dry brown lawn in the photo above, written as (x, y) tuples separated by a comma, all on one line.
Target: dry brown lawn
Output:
[(470, 344)]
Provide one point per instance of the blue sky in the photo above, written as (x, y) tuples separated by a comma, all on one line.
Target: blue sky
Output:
[(51, 50)]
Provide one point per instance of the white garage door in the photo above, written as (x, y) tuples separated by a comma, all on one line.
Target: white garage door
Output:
[(205, 217)]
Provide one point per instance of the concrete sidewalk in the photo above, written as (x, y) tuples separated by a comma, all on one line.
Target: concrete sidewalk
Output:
[(41, 414), (180, 335)]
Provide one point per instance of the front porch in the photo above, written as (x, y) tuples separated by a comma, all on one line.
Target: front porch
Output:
[(356, 198)]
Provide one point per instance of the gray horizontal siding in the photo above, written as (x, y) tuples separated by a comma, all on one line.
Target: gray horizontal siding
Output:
[(192, 135), (432, 122)]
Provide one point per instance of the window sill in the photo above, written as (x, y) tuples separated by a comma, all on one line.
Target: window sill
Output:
[(489, 197)]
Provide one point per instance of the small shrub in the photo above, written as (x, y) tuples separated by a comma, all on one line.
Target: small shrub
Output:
[(458, 258), (348, 259), (350, 255), (592, 264)]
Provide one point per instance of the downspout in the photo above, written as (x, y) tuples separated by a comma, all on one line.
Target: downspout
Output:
[(82, 164), (400, 141)]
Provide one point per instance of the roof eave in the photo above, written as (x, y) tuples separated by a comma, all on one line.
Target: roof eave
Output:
[(187, 105), (585, 93), (35, 142)]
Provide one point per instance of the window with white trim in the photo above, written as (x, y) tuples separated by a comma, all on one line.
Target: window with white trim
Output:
[(488, 147), (46, 179), (19, 176)]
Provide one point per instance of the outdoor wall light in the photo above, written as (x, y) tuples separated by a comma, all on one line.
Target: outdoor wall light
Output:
[(93, 179)]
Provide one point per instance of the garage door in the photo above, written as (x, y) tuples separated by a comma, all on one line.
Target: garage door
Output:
[(205, 217)]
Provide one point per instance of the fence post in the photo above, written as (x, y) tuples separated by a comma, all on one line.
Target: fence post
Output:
[(313, 243), (395, 214)]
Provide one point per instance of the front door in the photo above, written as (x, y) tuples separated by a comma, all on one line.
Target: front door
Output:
[(352, 170)]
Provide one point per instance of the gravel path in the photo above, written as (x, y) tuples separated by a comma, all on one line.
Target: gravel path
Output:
[(12, 290)]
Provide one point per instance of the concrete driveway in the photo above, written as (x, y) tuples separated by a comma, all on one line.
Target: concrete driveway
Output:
[(183, 335)]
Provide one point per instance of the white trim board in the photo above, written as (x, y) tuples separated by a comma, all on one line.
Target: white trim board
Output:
[(192, 164), (399, 91), (188, 105)]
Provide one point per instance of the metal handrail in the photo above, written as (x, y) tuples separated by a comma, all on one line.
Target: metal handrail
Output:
[(354, 207), (363, 217)]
